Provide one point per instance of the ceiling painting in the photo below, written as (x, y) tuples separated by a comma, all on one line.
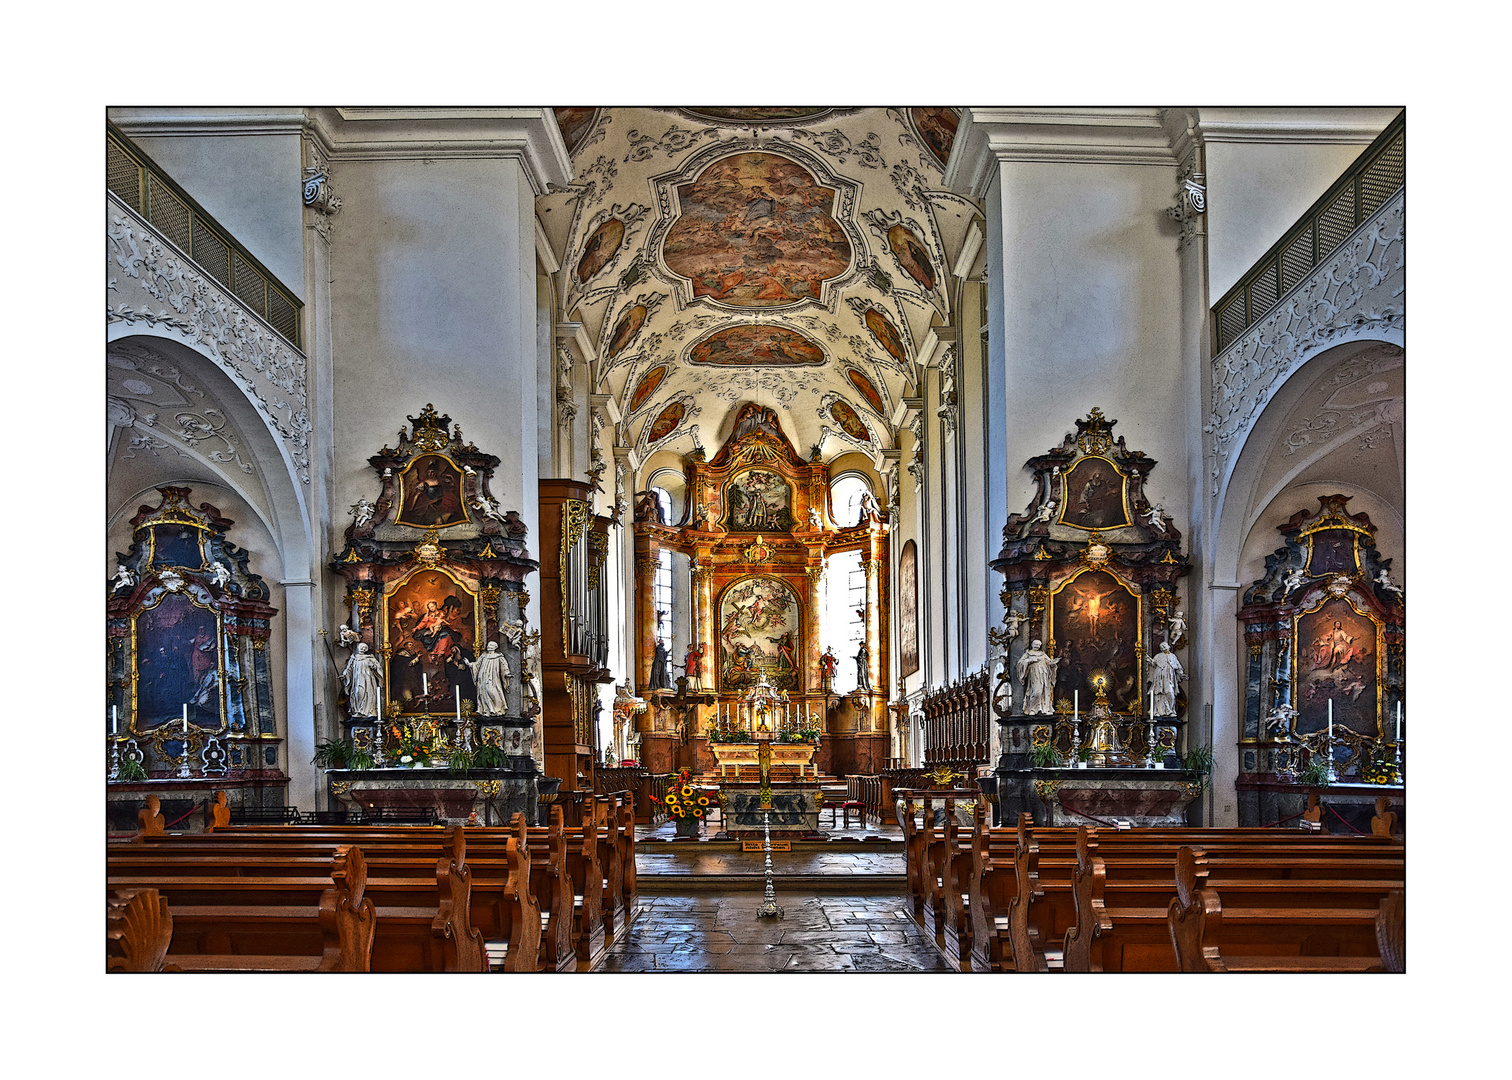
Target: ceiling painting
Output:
[(849, 422), (601, 248), (625, 330), (937, 129), (761, 114), (887, 334), (756, 231), (756, 346), (647, 386), (868, 391), (666, 422), (909, 250), (575, 122)]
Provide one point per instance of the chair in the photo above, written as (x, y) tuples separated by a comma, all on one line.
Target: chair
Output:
[(845, 812)]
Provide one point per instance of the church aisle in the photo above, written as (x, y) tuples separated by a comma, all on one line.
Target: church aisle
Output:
[(719, 931)]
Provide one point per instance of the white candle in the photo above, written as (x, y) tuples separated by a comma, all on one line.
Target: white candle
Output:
[(424, 685), (1399, 721), (113, 722), (1076, 705), (459, 704), (186, 718), (1152, 703), (1330, 718)]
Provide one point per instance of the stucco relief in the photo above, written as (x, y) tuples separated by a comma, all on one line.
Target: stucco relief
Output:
[(141, 270), (1359, 291)]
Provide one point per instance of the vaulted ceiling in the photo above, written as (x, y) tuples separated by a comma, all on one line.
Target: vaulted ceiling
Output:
[(794, 257)]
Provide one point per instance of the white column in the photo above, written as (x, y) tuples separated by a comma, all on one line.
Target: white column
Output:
[(1226, 686), (301, 668)]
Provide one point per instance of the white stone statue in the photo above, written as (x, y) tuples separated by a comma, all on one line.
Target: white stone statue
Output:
[(362, 512), (1152, 516), (124, 578), (1015, 620), (816, 519), (1293, 580), (1165, 673), (1282, 720), (1037, 671), (489, 672), (1383, 579), (219, 574), (1176, 627), (1045, 512), (346, 637), (363, 679)]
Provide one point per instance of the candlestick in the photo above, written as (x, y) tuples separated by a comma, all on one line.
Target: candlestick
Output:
[(1076, 705), (424, 685), (186, 718)]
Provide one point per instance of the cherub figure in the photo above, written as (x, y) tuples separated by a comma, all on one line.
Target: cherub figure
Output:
[(1045, 512), (219, 574), (1293, 580), (124, 578), (1383, 579), (1152, 517), (362, 512)]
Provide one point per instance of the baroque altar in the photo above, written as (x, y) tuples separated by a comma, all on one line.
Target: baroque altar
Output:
[(1090, 692)]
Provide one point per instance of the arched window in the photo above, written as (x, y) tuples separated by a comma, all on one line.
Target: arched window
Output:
[(847, 491), (844, 627)]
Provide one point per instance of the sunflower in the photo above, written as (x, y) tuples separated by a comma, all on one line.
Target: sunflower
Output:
[(677, 811), (687, 792), (697, 812), (703, 800)]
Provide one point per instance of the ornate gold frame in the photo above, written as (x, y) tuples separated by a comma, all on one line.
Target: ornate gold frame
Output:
[(799, 639), (133, 674), (480, 626), (1139, 649), (170, 518), (399, 485), (752, 466), (1123, 495), (1380, 642)]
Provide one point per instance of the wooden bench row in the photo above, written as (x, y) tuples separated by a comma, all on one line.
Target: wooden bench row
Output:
[(1027, 899), (551, 898)]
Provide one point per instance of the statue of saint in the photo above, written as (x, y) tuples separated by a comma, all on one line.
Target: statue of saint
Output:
[(1165, 673), (827, 665), (863, 665), (1037, 671), (661, 679), (693, 663), (489, 672), (363, 678)]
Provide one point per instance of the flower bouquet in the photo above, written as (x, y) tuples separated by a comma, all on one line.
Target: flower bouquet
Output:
[(685, 803)]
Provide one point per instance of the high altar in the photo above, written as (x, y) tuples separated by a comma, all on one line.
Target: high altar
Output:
[(757, 531)]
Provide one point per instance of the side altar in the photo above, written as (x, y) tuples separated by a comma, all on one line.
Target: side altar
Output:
[(1093, 631)]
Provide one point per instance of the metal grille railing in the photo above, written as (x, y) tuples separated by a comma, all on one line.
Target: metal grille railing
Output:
[(1377, 174), (134, 179)]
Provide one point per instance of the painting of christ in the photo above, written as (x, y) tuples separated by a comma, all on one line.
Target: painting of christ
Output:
[(178, 664), (1094, 623), (1094, 491), (430, 493), (431, 621), (1336, 660), (760, 631)]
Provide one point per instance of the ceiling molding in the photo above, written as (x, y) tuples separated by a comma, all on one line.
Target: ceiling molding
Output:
[(548, 258), (159, 123), (988, 137), (1302, 126)]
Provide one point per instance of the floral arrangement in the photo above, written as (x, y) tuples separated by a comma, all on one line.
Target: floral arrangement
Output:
[(415, 746), (682, 799)]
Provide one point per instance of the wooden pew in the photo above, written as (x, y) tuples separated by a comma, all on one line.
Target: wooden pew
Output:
[(138, 930), (1322, 936), (224, 922), (422, 903)]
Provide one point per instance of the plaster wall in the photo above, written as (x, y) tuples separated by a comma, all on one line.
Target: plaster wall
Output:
[(251, 184)]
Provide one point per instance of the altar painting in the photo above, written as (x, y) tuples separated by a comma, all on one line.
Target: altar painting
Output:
[(908, 610), (177, 545), (1336, 660), (177, 664), (432, 622), (430, 493), (1332, 551), (758, 501), (1094, 622), (1094, 495), (760, 632)]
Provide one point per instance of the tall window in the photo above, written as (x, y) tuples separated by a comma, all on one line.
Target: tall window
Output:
[(661, 598), (846, 494), (844, 629)]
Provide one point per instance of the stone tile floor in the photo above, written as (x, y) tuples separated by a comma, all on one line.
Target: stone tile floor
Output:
[(720, 932), (807, 859)]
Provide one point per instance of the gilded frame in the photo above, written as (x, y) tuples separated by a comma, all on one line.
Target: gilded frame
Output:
[(1139, 617), (151, 529), (134, 671), (799, 638), (403, 484), (1348, 597), (479, 625), (1123, 495)]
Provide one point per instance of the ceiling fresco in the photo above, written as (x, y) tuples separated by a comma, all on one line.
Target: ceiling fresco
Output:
[(795, 257)]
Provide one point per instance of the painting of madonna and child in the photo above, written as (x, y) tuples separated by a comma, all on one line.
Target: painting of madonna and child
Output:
[(1337, 662), (759, 633), (432, 626)]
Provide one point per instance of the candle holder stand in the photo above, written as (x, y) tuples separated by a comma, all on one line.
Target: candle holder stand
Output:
[(1333, 775), (115, 759), (183, 769), (1152, 736), (1075, 758), (378, 745)]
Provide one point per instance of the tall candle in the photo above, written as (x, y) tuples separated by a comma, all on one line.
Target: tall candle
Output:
[(1399, 721), (1330, 718), (424, 685), (1152, 703), (459, 704), (1076, 705), (186, 718)]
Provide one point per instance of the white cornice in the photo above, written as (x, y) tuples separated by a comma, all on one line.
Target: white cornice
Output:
[(1307, 126), (170, 123), (549, 261), (966, 258), (989, 136)]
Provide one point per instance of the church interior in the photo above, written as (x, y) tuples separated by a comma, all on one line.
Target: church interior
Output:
[(883, 539)]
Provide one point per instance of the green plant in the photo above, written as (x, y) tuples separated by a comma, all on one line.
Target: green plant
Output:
[(1313, 774), (360, 759), (332, 754), (1199, 759), (131, 771), (1084, 754), (1043, 756), (489, 756), (458, 760)]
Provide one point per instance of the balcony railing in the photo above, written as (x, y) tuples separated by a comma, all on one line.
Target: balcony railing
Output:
[(137, 181), (1377, 175)]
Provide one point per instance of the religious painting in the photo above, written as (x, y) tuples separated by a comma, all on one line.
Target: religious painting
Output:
[(911, 253), (755, 231), (625, 330), (575, 122), (758, 501), (760, 633), (1332, 551), (1093, 491), (177, 663), (761, 114), (430, 493), (666, 422), (849, 422), (1094, 622), (647, 386), (431, 624), (868, 391), (908, 609), (601, 246), (756, 346), (174, 544), (887, 334), (937, 127), (1337, 661)]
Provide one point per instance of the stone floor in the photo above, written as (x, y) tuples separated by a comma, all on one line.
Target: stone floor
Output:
[(803, 860), (720, 932)]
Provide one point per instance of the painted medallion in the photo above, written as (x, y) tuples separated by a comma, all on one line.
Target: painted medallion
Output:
[(625, 330), (868, 391), (849, 422), (575, 122), (911, 254), (937, 127), (601, 246), (756, 346), (647, 386), (666, 422), (886, 334)]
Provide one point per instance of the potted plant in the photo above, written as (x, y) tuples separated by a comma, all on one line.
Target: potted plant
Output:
[(332, 754), (1044, 756), (686, 803), (489, 756)]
